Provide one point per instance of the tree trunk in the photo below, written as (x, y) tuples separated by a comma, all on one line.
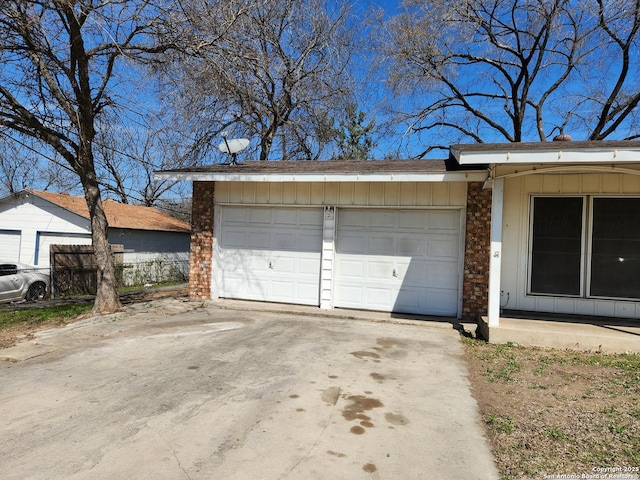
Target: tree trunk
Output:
[(107, 300)]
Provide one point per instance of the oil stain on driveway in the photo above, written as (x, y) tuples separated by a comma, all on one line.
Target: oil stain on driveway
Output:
[(210, 393)]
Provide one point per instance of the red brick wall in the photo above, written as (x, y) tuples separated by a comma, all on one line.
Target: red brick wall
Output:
[(201, 257), (475, 286)]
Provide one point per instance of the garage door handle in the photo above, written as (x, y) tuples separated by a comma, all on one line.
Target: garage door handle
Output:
[(395, 274), (270, 265)]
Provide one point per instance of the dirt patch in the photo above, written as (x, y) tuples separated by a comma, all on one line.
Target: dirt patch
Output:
[(10, 335), (549, 413)]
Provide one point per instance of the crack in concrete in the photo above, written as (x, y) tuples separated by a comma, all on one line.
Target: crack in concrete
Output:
[(315, 443), (173, 452)]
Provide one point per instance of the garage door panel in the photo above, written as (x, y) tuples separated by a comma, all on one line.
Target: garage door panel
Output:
[(284, 241), (285, 217), (413, 272), (412, 220), (352, 218), (410, 246), (379, 245), (310, 217), (308, 242), (351, 243), (308, 266), (352, 296), (411, 300), (441, 302), (281, 289), (379, 271), (272, 256), (398, 260), (232, 285), (257, 239), (442, 246), (234, 215), (248, 261), (441, 274), (380, 298), (382, 219), (308, 291), (235, 238), (250, 289), (444, 220), (352, 268), (283, 264), (259, 216)]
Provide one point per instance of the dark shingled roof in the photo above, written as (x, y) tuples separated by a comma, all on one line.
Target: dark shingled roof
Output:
[(328, 167), (543, 146)]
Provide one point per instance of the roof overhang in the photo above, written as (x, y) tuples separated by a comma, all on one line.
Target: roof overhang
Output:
[(331, 171), (592, 152), (458, 176)]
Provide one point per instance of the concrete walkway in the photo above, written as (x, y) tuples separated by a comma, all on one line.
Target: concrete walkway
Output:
[(227, 390), (608, 335)]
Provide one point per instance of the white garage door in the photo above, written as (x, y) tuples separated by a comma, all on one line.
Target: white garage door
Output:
[(45, 240), (10, 245), (271, 254), (398, 260)]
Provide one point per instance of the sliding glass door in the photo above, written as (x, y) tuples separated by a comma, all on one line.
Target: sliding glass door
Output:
[(585, 246), (615, 248)]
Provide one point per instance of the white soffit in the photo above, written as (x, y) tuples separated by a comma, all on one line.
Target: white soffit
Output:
[(454, 176), (561, 154)]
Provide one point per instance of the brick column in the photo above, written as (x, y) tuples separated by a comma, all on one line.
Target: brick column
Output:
[(475, 286), (201, 256)]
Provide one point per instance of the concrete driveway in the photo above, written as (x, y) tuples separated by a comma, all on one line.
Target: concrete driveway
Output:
[(180, 390)]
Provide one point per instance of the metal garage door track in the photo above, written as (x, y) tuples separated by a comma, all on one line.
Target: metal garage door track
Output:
[(178, 390)]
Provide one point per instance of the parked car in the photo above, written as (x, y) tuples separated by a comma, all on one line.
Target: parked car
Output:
[(22, 282)]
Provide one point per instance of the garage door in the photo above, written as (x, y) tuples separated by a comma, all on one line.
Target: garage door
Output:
[(271, 254), (45, 240), (398, 260), (10, 245)]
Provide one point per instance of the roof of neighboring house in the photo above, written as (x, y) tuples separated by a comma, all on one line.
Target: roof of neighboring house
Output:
[(329, 170), (119, 215)]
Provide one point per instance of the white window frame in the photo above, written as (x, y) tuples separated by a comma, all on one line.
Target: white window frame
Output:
[(586, 245)]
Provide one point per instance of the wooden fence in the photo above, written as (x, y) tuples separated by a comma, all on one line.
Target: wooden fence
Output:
[(74, 269)]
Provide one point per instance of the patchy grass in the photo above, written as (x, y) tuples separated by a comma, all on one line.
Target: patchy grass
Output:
[(20, 321), (38, 315), (24, 321), (551, 413)]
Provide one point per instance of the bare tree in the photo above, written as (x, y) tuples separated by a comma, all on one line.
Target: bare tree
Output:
[(129, 152), (272, 75), (22, 166), (489, 70), (60, 60)]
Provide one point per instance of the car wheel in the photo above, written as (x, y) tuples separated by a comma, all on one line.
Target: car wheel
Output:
[(37, 291)]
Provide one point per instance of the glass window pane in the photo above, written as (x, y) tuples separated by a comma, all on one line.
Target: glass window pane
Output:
[(557, 245), (615, 251)]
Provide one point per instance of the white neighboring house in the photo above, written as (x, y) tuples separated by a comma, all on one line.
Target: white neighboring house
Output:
[(31, 221)]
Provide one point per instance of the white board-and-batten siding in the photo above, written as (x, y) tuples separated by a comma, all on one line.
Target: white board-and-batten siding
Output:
[(405, 194), (516, 237)]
